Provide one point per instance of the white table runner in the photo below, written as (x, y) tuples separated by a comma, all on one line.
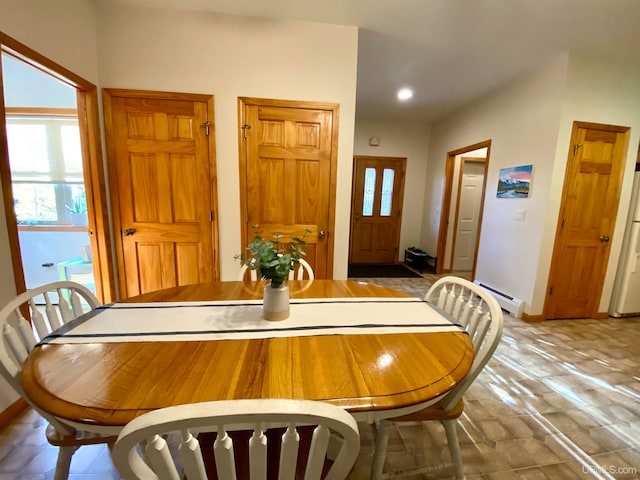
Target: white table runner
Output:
[(242, 319)]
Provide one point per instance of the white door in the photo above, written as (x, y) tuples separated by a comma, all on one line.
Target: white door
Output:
[(635, 196), (468, 215), (627, 300)]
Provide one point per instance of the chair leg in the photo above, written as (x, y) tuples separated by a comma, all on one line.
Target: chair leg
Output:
[(380, 453), (454, 447), (63, 465)]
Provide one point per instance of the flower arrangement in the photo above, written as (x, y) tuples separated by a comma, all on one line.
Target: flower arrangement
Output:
[(273, 259)]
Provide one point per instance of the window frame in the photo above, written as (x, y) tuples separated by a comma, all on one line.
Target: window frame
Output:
[(53, 120)]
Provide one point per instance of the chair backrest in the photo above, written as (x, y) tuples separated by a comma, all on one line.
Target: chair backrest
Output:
[(19, 336), (225, 417), (244, 271), (301, 271), (481, 316)]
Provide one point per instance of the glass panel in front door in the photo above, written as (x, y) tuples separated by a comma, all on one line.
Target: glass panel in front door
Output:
[(387, 192), (369, 191)]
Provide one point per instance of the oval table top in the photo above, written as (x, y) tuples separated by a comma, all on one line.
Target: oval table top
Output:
[(109, 384)]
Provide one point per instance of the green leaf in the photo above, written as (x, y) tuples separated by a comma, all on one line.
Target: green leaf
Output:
[(273, 259)]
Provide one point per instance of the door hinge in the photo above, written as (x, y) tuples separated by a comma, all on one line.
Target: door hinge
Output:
[(550, 291), (575, 148), (211, 215), (562, 224), (245, 127), (206, 126)]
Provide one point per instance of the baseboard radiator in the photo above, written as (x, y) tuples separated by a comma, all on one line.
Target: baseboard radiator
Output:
[(511, 304)]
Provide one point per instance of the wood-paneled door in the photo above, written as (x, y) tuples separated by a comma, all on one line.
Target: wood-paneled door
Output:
[(288, 156), (163, 188), (587, 216), (376, 211)]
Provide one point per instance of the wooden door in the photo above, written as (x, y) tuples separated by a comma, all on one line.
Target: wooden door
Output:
[(587, 215), (468, 213), (376, 212), (287, 172), (162, 179)]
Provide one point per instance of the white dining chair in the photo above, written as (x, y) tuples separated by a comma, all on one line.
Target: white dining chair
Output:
[(49, 307), (142, 450), (301, 271), (480, 314)]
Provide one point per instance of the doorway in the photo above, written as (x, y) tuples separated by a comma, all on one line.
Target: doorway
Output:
[(376, 209), (462, 206), (470, 195), (51, 173), (49, 195)]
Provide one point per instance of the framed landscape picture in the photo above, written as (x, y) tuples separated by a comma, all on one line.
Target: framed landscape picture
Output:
[(514, 182)]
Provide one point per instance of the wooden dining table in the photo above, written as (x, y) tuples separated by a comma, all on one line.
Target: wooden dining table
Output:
[(102, 386)]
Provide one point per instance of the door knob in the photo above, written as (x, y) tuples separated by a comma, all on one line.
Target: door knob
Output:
[(321, 234), (127, 232), (604, 238)]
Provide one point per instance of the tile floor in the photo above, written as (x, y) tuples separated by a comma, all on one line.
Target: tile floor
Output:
[(559, 400)]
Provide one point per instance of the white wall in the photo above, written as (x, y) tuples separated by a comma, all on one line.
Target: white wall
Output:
[(401, 139), (522, 122), (63, 31), (233, 56), (25, 86), (43, 248), (599, 91)]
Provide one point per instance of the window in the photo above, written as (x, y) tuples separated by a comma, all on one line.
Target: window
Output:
[(387, 192), (46, 169), (369, 191)]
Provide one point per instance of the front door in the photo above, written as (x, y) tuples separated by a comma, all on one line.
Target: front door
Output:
[(587, 216), (376, 212), (162, 171), (287, 173)]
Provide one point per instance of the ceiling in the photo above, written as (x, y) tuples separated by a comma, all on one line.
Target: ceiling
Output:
[(449, 51)]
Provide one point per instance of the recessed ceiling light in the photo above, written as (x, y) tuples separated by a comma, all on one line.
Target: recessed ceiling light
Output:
[(405, 94)]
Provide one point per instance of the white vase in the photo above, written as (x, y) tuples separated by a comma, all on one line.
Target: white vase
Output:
[(275, 304)]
